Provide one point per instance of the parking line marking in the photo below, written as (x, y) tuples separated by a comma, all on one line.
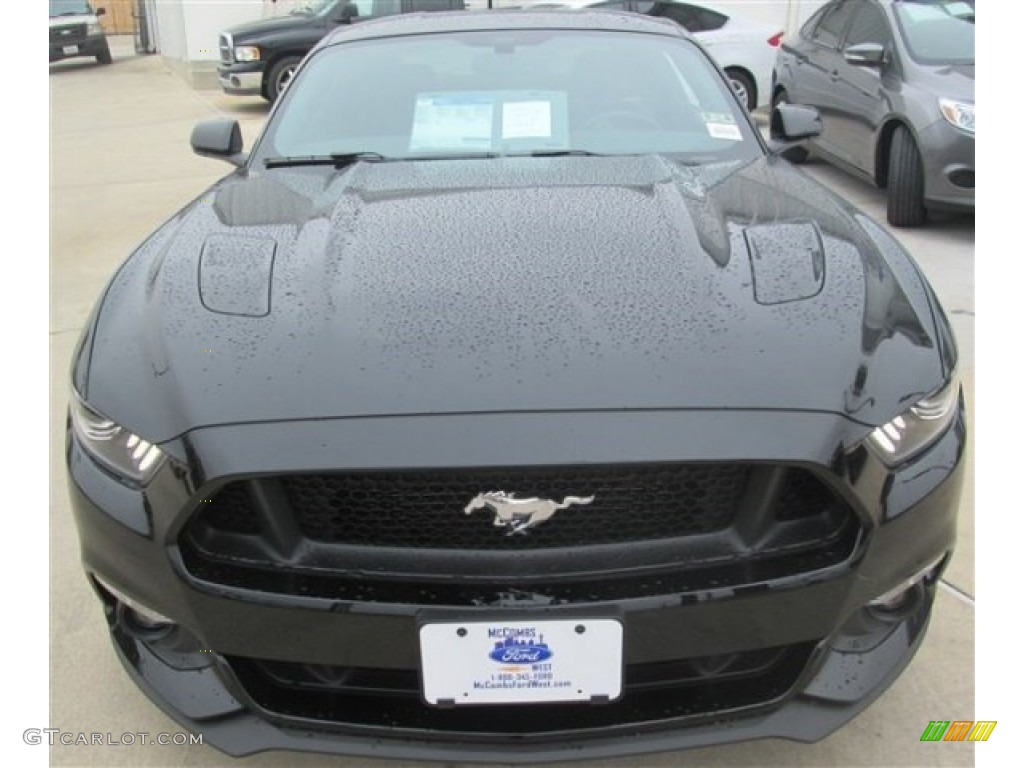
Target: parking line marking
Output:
[(959, 594)]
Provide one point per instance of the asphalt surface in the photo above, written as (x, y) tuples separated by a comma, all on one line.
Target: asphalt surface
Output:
[(120, 165)]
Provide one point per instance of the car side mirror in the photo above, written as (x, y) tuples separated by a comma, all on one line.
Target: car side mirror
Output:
[(221, 139), (866, 55), (100, 12), (792, 122), (348, 12)]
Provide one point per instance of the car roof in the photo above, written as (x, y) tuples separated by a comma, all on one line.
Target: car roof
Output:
[(486, 20)]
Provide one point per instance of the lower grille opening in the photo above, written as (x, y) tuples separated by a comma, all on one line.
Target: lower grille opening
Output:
[(963, 178), (710, 686), (405, 537)]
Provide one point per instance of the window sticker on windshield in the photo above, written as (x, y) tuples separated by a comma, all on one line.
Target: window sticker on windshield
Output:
[(722, 118), (729, 131), (721, 125), (526, 120), (445, 121)]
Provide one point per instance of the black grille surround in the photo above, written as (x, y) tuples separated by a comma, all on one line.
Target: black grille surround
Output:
[(68, 34), (225, 48), (658, 694), (425, 509), (367, 537)]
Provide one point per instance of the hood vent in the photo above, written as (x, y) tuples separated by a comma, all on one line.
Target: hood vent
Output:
[(234, 275), (787, 260)]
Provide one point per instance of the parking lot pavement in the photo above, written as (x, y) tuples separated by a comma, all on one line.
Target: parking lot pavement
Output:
[(121, 164)]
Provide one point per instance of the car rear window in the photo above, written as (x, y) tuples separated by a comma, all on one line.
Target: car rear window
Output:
[(693, 18)]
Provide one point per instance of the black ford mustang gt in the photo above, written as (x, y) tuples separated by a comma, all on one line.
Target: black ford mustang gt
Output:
[(512, 400)]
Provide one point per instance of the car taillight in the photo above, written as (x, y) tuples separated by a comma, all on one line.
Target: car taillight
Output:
[(775, 40)]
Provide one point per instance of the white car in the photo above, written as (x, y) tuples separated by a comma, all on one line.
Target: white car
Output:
[(744, 48)]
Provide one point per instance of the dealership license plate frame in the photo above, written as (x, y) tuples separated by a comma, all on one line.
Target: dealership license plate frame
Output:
[(584, 661)]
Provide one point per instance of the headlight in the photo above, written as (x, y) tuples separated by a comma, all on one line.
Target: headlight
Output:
[(127, 454), (247, 53), (921, 425), (93, 28), (958, 113)]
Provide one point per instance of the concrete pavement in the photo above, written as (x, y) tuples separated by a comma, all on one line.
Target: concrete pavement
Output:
[(121, 164)]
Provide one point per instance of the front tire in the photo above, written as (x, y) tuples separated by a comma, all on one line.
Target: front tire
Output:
[(280, 75), (905, 202), (104, 57)]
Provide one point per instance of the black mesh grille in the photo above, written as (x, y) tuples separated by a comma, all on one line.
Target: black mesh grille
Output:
[(404, 536), (231, 510), (226, 54), (70, 33), (802, 496), (652, 693), (425, 510)]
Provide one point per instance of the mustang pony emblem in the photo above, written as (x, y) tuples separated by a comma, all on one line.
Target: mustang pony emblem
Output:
[(519, 515)]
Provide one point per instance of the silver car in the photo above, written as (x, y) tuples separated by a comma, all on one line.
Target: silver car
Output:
[(894, 82)]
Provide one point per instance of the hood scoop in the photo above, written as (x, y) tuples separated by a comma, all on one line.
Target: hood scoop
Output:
[(234, 275), (787, 261)]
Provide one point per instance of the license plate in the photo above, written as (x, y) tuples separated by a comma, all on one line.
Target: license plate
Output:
[(70, 49), (518, 662)]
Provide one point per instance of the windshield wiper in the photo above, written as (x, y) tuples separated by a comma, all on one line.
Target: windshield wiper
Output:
[(557, 153), (339, 160)]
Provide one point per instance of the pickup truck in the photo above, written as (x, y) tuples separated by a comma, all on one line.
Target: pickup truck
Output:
[(75, 31), (259, 58)]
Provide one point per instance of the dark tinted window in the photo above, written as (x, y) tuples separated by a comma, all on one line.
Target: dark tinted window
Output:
[(692, 18), (807, 30), (869, 26), (710, 20), (830, 30), (436, 5)]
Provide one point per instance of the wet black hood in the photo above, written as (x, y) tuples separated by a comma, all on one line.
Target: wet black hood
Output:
[(511, 285), (264, 27)]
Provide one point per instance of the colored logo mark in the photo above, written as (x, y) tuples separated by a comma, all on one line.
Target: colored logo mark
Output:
[(512, 651), (958, 730)]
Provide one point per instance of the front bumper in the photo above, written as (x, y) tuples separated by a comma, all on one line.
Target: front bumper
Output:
[(242, 79), (76, 47), (194, 671), (948, 156), (844, 684)]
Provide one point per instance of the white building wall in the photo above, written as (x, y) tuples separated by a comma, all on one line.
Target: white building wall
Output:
[(205, 20), (170, 22), (187, 30)]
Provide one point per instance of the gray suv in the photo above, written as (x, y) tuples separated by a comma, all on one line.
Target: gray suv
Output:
[(894, 82)]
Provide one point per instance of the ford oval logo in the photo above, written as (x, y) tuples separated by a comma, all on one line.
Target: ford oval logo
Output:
[(512, 651)]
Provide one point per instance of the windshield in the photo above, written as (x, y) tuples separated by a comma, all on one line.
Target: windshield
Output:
[(511, 92), (69, 8), (938, 32)]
